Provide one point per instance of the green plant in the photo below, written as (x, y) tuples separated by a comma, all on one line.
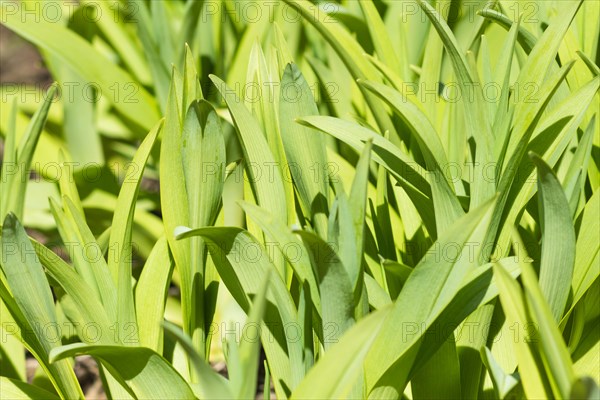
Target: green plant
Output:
[(389, 227)]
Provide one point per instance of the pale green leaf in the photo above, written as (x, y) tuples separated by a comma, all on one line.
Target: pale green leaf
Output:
[(144, 372)]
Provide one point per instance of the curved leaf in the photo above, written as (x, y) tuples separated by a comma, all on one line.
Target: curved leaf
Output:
[(74, 51), (268, 186), (16, 390), (119, 261), (242, 264), (144, 372), (558, 240), (33, 298)]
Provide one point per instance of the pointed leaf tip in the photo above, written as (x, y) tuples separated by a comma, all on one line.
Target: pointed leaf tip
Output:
[(10, 221), (180, 230)]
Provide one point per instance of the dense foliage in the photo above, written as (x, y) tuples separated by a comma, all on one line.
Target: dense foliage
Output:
[(401, 195)]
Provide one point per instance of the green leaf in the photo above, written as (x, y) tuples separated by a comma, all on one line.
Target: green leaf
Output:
[(143, 371), (249, 348), (174, 200), (203, 158), (503, 114), (268, 186), (349, 50), (378, 296), (335, 287), (587, 252), (79, 123), (91, 310), (347, 223), (290, 245), (382, 216), (575, 176), (540, 61), (326, 380), (191, 81), (304, 149), (513, 304), (527, 124), (265, 78), (381, 39), (468, 346), (594, 69), (212, 385), (503, 383), (431, 286), (585, 388), (67, 185), (252, 32), (17, 390), (161, 23), (118, 36), (447, 206), (9, 158), (33, 299), (16, 181), (75, 52), (585, 355), (12, 353), (558, 240), (477, 118), (242, 264), (551, 136), (120, 259), (189, 26), (305, 320), (25, 276), (525, 38), (444, 365), (68, 235), (159, 71), (151, 294), (550, 342), (384, 152), (98, 265)]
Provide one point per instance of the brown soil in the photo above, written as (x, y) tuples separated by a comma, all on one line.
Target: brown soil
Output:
[(20, 62)]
